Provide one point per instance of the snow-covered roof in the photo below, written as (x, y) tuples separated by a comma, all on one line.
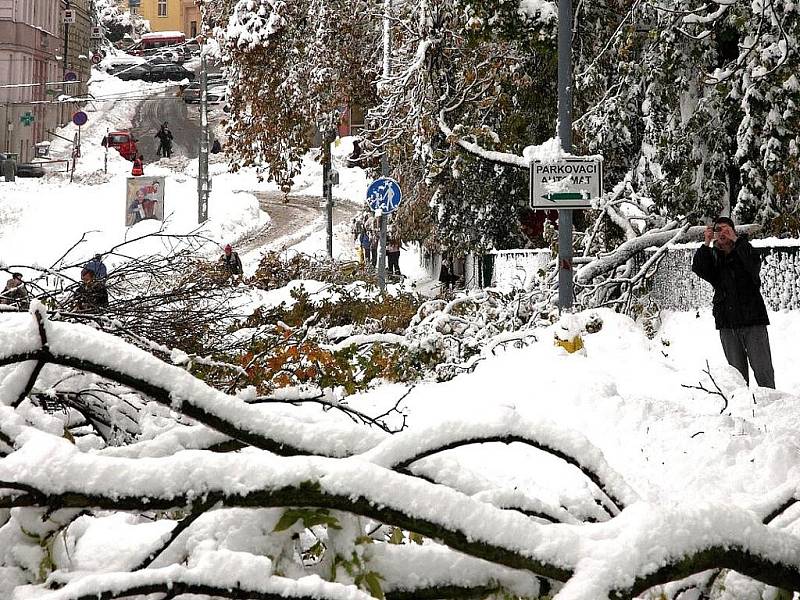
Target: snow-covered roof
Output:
[(160, 35)]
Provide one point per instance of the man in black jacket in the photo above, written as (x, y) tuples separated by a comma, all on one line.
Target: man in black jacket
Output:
[(732, 268)]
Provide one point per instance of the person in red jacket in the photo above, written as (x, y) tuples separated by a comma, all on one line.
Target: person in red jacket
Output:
[(138, 166)]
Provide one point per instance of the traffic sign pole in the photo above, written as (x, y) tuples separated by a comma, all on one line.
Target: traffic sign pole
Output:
[(387, 70), (565, 275), (328, 137), (383, 196)]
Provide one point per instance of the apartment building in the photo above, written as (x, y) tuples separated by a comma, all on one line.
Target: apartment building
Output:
[(170, 15), (32, 69)]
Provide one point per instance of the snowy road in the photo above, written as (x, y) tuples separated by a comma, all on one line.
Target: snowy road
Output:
[(185, 125), (293, 221)]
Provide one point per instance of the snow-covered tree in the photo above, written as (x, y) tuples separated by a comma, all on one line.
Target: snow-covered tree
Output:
[(693, 107), (294, 68), (117, 21)]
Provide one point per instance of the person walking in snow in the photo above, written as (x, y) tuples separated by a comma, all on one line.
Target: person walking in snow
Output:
[(230, 261), (164, 136), (733, 269)]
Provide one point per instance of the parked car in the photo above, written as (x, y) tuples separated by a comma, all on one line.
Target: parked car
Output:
[(217, 94), (168, 72), (137, 72), (192, 47), (191, 93), (124, 142), (23, 169), (166, 56), (118, 68)]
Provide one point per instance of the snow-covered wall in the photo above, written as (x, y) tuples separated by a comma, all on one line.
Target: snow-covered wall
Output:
[(519, 268), (674, 286)]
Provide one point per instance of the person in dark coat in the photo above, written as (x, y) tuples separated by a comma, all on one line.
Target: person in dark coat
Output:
[(97, 266), (733, 268), (446, 276), (164, 136), (15, 293), (91, 295), (231, 262)]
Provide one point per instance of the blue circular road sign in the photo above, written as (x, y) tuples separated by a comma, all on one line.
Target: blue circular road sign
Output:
[(70, 76), (384, 195), (80, 118)]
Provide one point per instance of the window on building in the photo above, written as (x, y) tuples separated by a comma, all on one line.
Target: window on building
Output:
[(193, 29), (162, 8)]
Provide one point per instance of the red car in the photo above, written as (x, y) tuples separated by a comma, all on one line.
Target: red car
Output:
[(124, 142)]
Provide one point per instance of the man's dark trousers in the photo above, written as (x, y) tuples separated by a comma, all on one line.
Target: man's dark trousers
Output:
[(739, 343)]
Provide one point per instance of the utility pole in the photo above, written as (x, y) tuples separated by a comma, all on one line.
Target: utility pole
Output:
[(565, 276), (328, 136), (203, 182), (387, 69)]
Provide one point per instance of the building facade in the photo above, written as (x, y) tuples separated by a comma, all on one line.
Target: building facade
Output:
[(191, 19), (33, 67), (170, 15)]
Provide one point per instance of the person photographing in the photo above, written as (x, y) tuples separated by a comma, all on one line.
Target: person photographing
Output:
[(733, 269)]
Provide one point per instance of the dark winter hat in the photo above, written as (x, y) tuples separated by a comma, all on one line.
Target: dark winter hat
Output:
[(85, 271), (16, 275), (725, 221), (228, 248)]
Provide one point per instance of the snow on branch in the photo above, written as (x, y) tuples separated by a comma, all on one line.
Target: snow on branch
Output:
[(84, 348), (45, 472), (478, 150), (403, 449), (624, 561), (233, 576), (369, 339), (604, 264)]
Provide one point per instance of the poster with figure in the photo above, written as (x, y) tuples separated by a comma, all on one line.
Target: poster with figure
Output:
[(144, 199)]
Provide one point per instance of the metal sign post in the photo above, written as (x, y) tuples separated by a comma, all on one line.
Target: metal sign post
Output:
[(329, 179), (383, 196), (79, 118), (387, 71), (565, 276)]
